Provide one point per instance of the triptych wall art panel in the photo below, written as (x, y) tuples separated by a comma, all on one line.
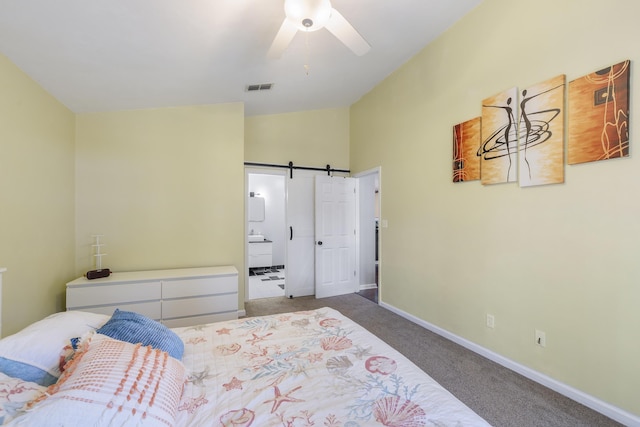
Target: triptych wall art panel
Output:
[(466, 139), (599, 115), (499, 150), (541, 130), (520, 135)]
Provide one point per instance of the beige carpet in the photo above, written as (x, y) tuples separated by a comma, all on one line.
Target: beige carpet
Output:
[(500, 396)]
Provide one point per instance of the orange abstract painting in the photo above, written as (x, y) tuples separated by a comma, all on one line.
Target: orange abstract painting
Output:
[(466, 141), (599, 115)]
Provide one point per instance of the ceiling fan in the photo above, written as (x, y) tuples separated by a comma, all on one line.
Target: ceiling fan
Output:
[(312, 15)]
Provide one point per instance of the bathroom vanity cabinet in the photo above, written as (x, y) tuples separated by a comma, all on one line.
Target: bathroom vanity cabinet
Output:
[(261, 254)]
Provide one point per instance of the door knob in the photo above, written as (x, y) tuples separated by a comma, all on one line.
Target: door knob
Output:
[(319, 242)]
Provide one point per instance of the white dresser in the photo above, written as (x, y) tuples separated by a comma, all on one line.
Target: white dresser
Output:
[(176, 297)]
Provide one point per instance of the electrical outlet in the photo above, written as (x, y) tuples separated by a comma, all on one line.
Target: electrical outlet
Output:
[(491, 321), (541, 338)]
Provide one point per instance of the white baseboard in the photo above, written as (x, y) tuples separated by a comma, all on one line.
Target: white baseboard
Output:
[(369, 286), (242, 313), (587, 400)]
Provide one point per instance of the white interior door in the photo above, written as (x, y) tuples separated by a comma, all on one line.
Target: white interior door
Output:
[(335, 245), (300, 234)]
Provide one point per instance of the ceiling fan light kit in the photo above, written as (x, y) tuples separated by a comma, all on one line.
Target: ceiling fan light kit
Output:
[(308, 15), (312, 15)]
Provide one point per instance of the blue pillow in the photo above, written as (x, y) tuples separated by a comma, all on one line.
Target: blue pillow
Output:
[(136, 328), (26, 372)]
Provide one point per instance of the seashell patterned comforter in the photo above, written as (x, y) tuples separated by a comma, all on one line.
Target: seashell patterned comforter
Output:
[(313, 368)]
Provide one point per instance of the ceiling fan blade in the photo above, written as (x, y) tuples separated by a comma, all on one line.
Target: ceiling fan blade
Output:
[(285, 34), (344, 31)]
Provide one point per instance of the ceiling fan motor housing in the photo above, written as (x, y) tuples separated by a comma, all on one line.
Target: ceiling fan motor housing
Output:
[(308, 15)]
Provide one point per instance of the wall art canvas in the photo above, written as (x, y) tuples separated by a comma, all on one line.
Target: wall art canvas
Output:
[(599, 115), (499, 150), (541, 131), (466, 141)]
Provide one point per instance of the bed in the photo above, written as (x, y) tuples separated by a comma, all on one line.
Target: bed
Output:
[(311, 368)]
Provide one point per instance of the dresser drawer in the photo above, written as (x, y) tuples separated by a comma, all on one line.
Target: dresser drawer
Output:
[(150, 309), (200, 306), (199, 320), (103, 294), (199, 286)]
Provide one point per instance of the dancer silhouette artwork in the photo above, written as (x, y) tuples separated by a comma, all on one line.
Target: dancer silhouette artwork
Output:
[(500, 143)]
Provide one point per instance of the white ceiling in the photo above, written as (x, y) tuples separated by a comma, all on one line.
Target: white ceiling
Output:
[(105, 55)]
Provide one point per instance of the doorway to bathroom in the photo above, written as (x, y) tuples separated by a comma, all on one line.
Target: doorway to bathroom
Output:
[(283, 231), (266, 237)]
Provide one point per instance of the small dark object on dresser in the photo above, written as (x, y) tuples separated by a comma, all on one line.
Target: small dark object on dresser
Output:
[(98, 274)]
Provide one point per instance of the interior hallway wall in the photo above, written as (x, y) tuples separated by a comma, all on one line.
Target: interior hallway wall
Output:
[(37, 199), (559, 258)]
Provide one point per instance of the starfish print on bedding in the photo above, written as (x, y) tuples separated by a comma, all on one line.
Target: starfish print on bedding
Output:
[(235, 383), (280, 398), (223, 331), (360, 352), (198, 378), (256, 338)]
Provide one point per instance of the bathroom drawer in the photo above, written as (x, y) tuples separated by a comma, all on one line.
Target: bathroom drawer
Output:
[(260, 248)]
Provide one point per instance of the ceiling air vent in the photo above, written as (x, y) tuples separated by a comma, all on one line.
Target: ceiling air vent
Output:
[(261, 86)]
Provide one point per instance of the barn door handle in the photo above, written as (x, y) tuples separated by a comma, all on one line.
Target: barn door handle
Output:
[(290, 233)]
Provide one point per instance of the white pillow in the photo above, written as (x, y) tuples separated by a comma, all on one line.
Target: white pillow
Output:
[(40, 344)]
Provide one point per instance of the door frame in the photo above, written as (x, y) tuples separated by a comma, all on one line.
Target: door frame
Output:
[(256, 170), (374, 171)]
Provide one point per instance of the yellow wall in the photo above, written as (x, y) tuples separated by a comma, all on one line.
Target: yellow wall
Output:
[(164, 186), (560, 258), (36, 199), (311, 138)]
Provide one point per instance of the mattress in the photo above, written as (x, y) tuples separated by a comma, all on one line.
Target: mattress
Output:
[(307, 368)]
